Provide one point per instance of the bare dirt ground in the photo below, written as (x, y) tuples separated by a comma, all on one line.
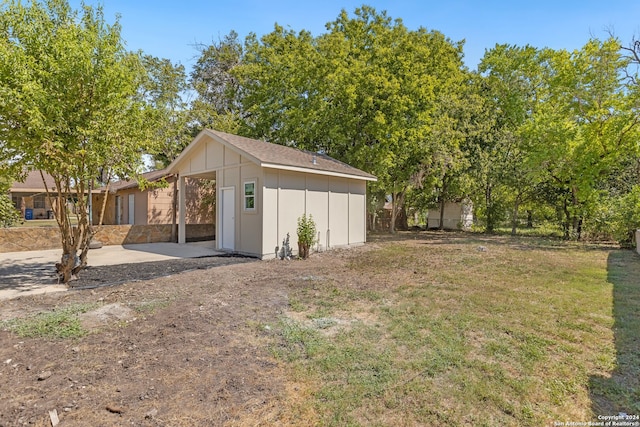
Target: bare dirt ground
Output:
[(189, 349)]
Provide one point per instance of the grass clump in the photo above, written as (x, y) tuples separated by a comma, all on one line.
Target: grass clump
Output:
[(58, 324)]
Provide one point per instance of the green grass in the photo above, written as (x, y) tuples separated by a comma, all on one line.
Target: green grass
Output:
[(435, 331), (42, 222), (150, 307), (61, 323)]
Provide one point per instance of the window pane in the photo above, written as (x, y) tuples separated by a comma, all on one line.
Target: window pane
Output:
[(249, 202), (249, 188), (38, 202)]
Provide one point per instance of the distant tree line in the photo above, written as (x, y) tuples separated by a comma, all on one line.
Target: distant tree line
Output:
[(533, 135)]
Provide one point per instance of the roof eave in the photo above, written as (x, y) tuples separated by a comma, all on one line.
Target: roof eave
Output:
[(318, 171)]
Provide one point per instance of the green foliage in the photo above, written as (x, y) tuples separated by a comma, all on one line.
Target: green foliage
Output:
[(73, 104), (297, 341), (9, 215), (533, 130), (369, 92), (214, 79), (307, 235), (619, 217), (163, 87), (63, 323), (564, 122)]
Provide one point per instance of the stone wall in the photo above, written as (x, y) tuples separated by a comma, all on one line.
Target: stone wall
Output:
[(37, 238), (29, 239), (130, 234), (198, 232)]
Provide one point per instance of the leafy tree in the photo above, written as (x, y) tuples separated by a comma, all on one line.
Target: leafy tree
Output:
[(9, 215), (218, 88), (563, 121), (71, 105), (366, 92), (163, 89), (508, 84), (586, 125)]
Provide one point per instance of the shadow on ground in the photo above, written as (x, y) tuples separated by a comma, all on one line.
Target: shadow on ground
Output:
[(16, 275), (620, 392), (107, 275)]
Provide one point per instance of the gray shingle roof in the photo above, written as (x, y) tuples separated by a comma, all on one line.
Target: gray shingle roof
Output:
[(131, 183), (267, 154)]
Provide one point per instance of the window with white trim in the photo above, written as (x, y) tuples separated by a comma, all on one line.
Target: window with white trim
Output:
[(249, 195)]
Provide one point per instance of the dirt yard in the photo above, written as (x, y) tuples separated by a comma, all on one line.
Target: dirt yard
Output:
[(185, 349), (416, 329)]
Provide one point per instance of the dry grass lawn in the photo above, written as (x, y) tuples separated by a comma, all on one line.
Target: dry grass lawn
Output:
[(415, 329)]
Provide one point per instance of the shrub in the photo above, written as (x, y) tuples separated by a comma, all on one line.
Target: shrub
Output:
[(627, 217), (306, 235), (9, 216)]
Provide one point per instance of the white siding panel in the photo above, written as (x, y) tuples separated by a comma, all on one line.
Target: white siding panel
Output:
[(250, 225), (198, 161), (231, 178), (231, 157), (215, 155), (291, 206), (317, 205), (270, 213), (192, 163), (357, 212), (338, 212)]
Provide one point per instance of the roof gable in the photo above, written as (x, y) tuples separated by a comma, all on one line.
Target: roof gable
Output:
[(276, 156)]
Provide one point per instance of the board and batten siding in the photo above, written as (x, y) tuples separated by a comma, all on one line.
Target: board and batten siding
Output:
[(283, 194), (336, 204)]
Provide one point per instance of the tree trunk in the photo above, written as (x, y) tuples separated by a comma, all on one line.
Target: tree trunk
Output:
[(73, 238), (576, 220), (443, 192), (397, 203), (441, 223), (402, 222), (392, 224), (529, 218), (514, 218), (488, 199), (567, 219)]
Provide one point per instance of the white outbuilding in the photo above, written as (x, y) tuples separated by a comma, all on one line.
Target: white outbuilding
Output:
[(263, 188)]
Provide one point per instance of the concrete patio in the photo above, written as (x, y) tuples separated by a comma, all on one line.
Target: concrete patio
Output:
[(32, 272)]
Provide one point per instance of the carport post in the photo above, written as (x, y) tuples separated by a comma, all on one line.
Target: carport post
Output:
[(182, 235)]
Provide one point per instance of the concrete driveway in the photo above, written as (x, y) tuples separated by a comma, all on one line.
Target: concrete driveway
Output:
[(31, 272)]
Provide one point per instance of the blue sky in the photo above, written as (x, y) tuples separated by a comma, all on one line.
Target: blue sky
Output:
[(169, 29)]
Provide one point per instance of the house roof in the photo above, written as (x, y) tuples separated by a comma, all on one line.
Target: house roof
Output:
[(33, 183), (131, 183), (277, 156)]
